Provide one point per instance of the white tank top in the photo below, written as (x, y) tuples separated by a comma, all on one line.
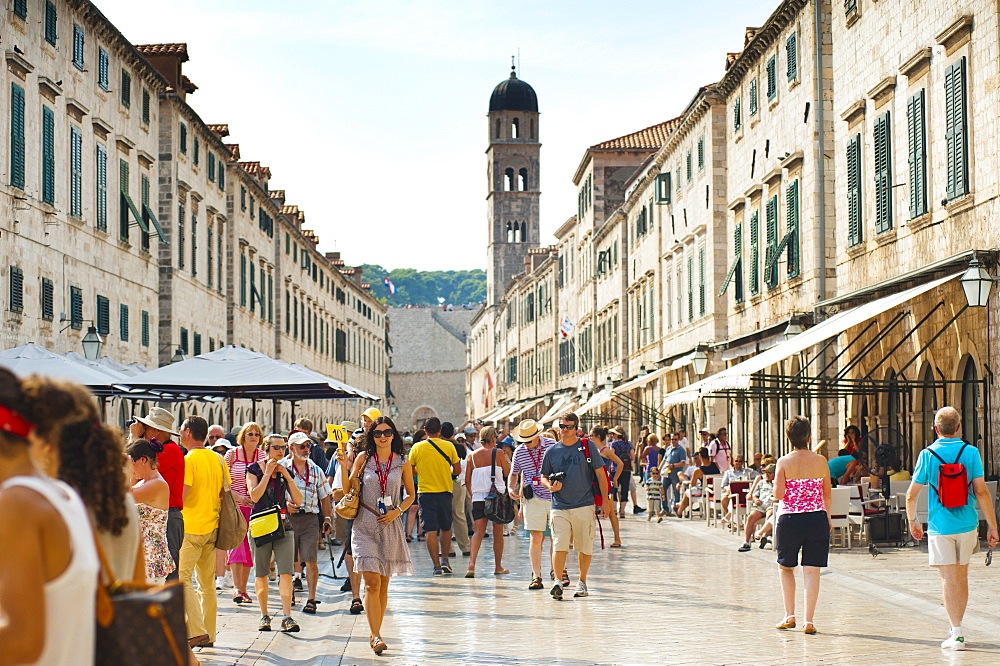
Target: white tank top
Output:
[(481, 481), (69, 598)]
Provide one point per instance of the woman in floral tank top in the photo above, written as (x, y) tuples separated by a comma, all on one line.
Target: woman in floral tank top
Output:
[(802, 485), (152, 498), (246, 453)]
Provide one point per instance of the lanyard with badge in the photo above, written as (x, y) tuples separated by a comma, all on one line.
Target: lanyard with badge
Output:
[(537, 462), (384, 501), (305, 479)]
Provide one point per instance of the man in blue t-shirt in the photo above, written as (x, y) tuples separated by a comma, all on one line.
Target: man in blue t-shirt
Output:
[(572, 516), (953, 533)]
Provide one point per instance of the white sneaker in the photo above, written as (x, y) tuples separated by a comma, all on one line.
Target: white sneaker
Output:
[(581, 589), (953, 643), (227, 580)]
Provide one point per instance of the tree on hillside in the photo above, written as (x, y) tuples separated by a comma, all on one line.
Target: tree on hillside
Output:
[(424, 288)]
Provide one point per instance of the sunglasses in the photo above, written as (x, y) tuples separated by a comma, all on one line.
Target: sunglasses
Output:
[(565, 426), (382, 433), (214, 436), (276, 447), (253, 434), (989, 557), (739, 460), (302, 447)]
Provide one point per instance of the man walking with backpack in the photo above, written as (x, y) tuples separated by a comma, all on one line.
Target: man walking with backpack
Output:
[(954, 471), (436, 463)]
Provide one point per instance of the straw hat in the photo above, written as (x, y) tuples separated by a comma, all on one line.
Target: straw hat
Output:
[(526, 430), (159, 419)]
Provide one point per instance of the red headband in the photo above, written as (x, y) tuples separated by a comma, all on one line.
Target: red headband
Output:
[(14, 423)]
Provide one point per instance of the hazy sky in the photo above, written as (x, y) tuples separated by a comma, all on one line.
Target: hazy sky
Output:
[(372, 115)]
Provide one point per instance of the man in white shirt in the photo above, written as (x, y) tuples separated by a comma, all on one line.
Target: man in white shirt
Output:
[(720, 450), (738, 472)]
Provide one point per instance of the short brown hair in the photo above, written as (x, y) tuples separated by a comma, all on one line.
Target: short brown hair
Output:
[(570, 416), (303, 424), (948, 421), (797, 430)]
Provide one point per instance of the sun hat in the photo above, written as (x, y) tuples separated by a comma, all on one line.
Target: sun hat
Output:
[(160, 419), (526, 430), (371, 413), (223, 443), (770, 468), (298, 438), (470, 430)]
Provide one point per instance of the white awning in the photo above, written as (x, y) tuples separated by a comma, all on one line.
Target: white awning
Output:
[(558, 406), (595, 401), (522, 408), (679, 363), (505, 410), (740, 375), (489, 414)]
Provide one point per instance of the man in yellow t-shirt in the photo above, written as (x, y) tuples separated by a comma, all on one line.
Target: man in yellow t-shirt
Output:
[(434, 462), (205, 477)]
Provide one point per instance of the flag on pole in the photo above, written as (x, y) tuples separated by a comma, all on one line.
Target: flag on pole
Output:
[(565, 328), (390, 286)]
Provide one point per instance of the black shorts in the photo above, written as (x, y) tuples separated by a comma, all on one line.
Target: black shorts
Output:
[(479, 510), (624, 484), (808, 532), (435, 512)]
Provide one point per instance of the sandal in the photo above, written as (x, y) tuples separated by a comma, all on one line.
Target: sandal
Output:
[(310, 607), (787, 623), (378, 645), (244, 598), (616, 545), (809, 629), (471, 573), (501, 572), (536, 583), (357, 607), (564, 579)]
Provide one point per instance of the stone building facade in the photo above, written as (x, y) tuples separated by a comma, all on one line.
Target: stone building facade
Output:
[(127, 211), (791, 245)]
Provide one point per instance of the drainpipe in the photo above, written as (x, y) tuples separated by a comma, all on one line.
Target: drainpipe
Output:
[(820, 149)]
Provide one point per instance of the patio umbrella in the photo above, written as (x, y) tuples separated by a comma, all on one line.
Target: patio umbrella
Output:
[(33, 359)]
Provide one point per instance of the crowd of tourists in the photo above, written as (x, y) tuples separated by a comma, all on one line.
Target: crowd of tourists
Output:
[(93, 507)]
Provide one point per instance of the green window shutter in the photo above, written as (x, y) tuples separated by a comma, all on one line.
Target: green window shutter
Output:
[(689, 165), (145, 328), (102, 188), (48, 156), (78, 42), (737, 117), (123, 212), (194, 246), (123, 322), (792, 211), (47, 299), (211, 167), (196, 147), (209, 256), (243, 280), (103, 315), (180, 235), (16, 289), (917, 139), (126, 89), (221, 255), (755, 253), (772, 77), (791, 57), (144, 233), (184, 341), (854, 235), (270, 299), (701, 282), (102, 69), (197, 344), (771, 272), (16, 136), (21, 8), (956, 131), (145, 106), (51, 22), (882, 135), (690, 269), (738, 258), (75, 172), (76, 308), (850, 6), (222, 174), (184, 138), (701, 153), (753, 97)]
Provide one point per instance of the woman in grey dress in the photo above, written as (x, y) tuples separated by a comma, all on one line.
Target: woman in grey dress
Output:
[(378, 543)]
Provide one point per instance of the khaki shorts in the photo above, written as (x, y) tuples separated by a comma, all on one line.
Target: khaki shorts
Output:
[(536, 514), (576, 526), (945, 549)]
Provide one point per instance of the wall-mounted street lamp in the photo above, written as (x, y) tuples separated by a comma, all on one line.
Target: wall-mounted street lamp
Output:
[(977, 284), (178, 356), (92, 343), (699, 361)]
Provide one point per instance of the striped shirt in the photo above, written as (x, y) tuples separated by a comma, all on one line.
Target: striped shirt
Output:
[(238, 467), (313, 491), (529, 463)]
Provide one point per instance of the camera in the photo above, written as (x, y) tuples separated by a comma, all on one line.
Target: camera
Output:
[(557, 476), (130, 422)]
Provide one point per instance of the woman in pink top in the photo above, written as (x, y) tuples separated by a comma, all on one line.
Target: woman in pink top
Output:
[(802, 485), (246, 453)]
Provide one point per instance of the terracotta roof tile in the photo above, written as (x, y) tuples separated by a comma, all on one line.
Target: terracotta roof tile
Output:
[(366, 285), (277, 194), (256, 170), (650, 138), (234, 150), (188, 86), (163, 49), (290, 210), (222, 129)]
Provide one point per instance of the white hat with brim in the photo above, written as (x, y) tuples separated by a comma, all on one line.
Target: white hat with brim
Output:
[(160, 419), (298, 438), (526, 430)]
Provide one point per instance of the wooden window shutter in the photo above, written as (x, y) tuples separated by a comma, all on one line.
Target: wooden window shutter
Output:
[(737, 119), (854, 235), (48, 156), (792, 227), (791, 57), (102, 187), (956, 136), (48, 300), (883, 173), (917, 158), (772, 77), (755, 253), (51, 22), (771, 274), (76, 172), (103, 315), (753, 97), (123, 322), (145, 328), (16, 136)]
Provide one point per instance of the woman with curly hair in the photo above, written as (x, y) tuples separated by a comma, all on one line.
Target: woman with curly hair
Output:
[(48, 574), (152, 499), (73, 445), (377, 541)]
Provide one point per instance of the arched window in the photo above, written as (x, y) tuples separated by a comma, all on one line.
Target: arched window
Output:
[(971, 404), (515, 129), (508, 180), (522, 180), (524, 232), (517, 232), (928, 405), (532, 128), (510, 232), (496, 132)]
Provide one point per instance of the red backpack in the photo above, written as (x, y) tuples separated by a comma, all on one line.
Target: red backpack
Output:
[(953, 481), (594, 485)]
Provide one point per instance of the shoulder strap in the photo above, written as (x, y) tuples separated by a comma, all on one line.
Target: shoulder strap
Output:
[(960, 452), (934, 453), (443, 454), (493, 466)]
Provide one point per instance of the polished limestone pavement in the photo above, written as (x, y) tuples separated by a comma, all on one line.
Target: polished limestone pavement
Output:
[(677, 593)]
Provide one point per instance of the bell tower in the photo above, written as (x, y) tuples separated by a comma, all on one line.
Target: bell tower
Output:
[(512, 182)]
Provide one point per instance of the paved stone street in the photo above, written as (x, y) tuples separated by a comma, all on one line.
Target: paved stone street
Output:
[(678, 593)]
